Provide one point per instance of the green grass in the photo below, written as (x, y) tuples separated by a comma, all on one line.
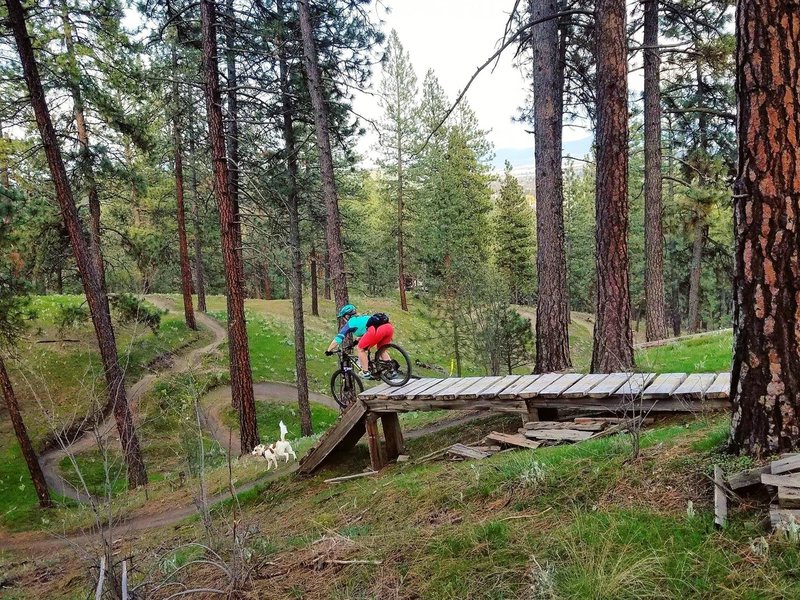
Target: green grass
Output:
[(18, 501), (708, 353), (269, 415)]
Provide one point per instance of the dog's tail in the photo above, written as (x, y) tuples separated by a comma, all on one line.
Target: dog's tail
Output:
[(284, 430)]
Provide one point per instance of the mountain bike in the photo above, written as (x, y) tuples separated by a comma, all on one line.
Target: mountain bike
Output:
[(394, 370)]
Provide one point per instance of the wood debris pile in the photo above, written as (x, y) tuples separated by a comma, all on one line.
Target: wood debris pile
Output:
[(538, 433), (781, 479)]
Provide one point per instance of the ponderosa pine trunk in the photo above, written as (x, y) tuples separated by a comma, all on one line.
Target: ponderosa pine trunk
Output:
[(613, 339), (199, 274), (183, 246), (333, 227), (87, 169), (95, 298), (39, 483), (765, 383), (296, 271), (552, 309), (5, 178), (401, 257), (655, 304), (314, 283), (241, 373), (232, 129), (326, 279)]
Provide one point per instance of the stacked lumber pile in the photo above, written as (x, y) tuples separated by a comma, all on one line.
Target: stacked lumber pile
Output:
[(782, 480), (539, 433)]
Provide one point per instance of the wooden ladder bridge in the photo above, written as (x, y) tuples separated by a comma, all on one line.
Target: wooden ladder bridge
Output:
[(537, 396)]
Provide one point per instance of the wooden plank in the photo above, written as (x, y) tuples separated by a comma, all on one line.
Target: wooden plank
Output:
[(431, 391), (786, 464), (609, 385), (720, 499), (393, 435), (496, 388), (720, 387), (515, 388), (695, 385), (634, 386), (582, 387), (663, 385), (512, 440), (467, 452), (345, 432), (781, 518), (565, 425), (374, 442), (537, 386), (351, 477), (558, 435), (791, 480), (458, 385), (562, 383), (476, 388), (375, 391), (747, 478), (789, 497), (413, 387)]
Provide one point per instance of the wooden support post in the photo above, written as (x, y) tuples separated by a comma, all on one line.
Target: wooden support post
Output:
[(374, 442), (393, 435), (541, 413)]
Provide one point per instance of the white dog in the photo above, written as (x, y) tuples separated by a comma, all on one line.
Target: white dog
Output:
[(282, 448), (268, 453)]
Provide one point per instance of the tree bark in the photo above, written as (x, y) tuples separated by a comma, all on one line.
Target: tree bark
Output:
[(552, 309), (39, 483), (695, 271), (241, 373), (86, 154), (326, 277), (232, 142), (5, 179), (183, 247), (333, 228), (613, 339), (97, 301), (200, 283), (314, 284), (296, 272), (401, 265), (655, 304), (765, 382)]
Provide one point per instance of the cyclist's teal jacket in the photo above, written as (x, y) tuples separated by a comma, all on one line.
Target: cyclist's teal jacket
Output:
[(356, 325)]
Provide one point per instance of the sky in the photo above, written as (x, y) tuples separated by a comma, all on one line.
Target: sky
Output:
[(453, 37)]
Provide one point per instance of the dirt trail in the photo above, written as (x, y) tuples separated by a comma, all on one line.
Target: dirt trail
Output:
[(50, 460), (213, 403)]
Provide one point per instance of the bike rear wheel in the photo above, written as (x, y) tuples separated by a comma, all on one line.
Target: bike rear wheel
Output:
[(345, 386), (397, 371)]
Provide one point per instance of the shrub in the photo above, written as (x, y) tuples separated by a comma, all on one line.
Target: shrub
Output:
[(70, 316), (131, 309)]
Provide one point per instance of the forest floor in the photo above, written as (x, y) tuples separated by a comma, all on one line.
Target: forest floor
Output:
[(581, 521)]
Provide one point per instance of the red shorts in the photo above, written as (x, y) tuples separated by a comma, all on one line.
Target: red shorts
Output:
[(376, 336)]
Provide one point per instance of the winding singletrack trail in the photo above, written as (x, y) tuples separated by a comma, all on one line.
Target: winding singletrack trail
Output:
[(50, 460), (212, 405)]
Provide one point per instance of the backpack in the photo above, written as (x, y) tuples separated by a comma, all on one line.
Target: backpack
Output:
[(377, 320)]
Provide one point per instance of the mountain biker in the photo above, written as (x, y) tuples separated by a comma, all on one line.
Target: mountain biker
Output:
[(367, 334)]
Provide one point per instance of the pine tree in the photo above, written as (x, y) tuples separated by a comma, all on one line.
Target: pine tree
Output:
[(765, 385), (613, 340), (398, 133), (514, 240), (98, 304)]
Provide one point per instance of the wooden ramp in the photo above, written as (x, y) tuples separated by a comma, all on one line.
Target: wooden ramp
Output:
[(344, 434), (527, 394)]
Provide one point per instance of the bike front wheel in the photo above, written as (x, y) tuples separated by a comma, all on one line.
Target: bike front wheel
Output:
[(397, 370), (345, 386)]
